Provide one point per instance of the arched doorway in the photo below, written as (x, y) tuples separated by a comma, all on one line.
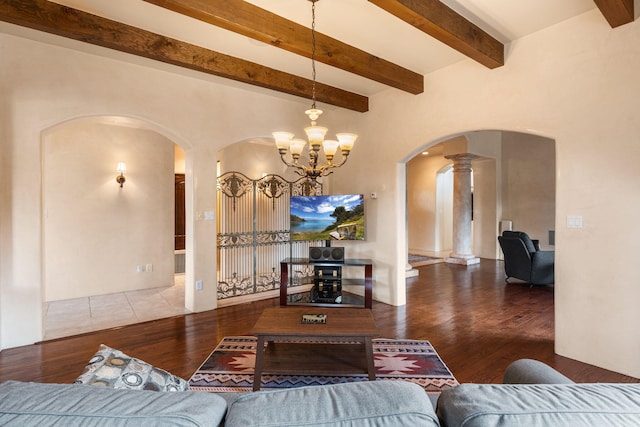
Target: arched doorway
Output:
[(508, 183), (102, 239)]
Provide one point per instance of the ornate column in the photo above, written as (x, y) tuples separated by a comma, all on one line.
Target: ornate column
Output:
[(462, 237)]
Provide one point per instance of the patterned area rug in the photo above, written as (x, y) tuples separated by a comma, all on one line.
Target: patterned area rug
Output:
[(230, 368)]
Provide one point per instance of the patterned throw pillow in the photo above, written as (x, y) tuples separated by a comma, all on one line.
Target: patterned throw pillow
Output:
[(112, 368)]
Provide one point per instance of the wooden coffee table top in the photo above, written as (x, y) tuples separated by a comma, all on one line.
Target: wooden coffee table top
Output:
[(294, 347), (287, 321)]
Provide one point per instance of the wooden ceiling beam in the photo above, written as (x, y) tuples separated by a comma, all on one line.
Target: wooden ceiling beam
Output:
[(616, 12), (444, 24), (249, 20), (74, 24)]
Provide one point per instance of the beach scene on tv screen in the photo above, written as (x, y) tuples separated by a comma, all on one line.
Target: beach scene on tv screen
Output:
[(336, 217)]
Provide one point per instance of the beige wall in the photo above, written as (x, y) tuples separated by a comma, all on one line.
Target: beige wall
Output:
[(484, 208), (254, 158), (575, 83), (487, 191), (529, 182), (421, 202), (96, 234)]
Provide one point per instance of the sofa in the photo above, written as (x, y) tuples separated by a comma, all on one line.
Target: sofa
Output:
[(532, 394)]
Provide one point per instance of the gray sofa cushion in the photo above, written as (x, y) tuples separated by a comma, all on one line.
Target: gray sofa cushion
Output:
[(483, 405), (376, 403), (35, 404), (529, 371)]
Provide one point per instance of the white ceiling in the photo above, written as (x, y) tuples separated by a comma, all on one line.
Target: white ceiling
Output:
[(355, 22)]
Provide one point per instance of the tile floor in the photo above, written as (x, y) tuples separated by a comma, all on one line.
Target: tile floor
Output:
[(80, 315), (438, 257)]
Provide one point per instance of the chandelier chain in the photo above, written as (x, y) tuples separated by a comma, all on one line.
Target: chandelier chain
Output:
[(313, 53), (286, 143)]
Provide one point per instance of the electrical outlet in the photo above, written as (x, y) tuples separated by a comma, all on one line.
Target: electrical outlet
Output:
[(198, 285), (149, 268), (139, 269)]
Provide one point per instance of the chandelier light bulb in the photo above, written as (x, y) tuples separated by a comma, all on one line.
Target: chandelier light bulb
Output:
[(346, 141), (316, 136), (296, 147), (283, 140), (330, 147)]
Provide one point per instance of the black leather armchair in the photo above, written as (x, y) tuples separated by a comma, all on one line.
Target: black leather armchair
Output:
[(524, 260)]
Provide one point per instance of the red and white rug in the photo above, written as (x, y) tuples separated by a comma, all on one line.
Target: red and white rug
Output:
[(229, 368)]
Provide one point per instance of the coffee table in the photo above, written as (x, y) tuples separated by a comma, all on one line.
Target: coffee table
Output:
[(341, 345)]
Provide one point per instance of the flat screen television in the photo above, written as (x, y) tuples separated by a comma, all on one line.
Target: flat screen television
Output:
[(335, 217)]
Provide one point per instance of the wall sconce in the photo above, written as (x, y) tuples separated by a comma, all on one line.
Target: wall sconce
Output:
[(122, 168)]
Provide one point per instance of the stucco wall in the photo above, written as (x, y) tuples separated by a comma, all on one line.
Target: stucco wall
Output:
[(255, 158), (529, 182), (422, 202), (484, 207)]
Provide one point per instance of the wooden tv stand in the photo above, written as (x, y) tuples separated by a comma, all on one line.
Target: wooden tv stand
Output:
[(367, 282)]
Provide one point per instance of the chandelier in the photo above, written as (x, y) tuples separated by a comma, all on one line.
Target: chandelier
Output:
[(285, 141)]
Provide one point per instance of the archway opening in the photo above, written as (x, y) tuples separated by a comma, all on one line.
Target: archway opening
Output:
[(109, 255), (513, 179)]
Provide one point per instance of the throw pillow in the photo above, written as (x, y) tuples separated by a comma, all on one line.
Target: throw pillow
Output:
[(112, 368)]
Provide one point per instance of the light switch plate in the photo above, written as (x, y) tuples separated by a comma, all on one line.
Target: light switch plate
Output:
[(574, 221)]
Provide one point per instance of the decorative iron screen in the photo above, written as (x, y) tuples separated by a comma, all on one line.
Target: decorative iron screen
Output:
[(254, 233)]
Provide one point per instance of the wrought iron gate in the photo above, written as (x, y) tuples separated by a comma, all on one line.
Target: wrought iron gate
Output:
[(254, 232)]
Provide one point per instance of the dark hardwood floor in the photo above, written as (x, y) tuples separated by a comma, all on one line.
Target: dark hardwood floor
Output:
[(476, 322)]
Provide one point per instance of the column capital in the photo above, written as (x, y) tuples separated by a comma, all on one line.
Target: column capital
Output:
[(462, 161)]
